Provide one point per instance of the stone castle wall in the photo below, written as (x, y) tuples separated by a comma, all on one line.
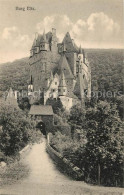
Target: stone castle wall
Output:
[(40, 67)]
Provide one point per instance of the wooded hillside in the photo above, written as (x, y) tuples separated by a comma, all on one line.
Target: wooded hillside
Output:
[(106, 68)]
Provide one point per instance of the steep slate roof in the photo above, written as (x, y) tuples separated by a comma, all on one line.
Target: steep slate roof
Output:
[(41, 110), (64, 66), (67, 38), (69, 44)]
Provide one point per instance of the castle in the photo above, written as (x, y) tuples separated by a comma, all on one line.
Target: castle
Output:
[(59, 70)]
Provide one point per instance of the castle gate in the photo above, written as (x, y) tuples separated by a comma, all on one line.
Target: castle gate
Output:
[(43, 117)]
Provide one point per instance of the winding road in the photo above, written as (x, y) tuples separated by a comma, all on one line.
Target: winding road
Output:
[(45, 179)]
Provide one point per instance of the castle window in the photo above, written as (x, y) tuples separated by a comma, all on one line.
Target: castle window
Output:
[(55, 83), (53, 90), (59, 90)]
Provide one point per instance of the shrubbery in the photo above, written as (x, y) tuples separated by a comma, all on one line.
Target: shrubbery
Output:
[(17, 130), (98, 150)]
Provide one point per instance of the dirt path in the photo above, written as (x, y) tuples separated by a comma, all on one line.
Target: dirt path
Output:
[(45, 179)]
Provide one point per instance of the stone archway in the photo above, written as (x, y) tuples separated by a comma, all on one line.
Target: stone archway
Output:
[(41, 126)]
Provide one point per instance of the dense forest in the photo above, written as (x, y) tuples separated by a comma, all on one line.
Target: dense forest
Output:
[(106, 70), (14, 74)]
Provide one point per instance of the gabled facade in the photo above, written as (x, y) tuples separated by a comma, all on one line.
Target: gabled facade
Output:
[(59, 70)]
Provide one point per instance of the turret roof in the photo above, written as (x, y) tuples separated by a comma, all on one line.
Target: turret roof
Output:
[(62, 80), (67, 38)]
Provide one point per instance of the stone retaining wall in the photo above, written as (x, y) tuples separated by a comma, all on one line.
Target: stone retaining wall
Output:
[(65, 165), (25, 150)]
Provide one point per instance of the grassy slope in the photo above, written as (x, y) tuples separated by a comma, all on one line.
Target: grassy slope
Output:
[(106, 67)]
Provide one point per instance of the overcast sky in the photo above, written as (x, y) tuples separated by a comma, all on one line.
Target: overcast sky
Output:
[(92, 23)]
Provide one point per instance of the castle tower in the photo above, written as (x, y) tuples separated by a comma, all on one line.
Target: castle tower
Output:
[(44, 45), (54, 41), (62, 88)]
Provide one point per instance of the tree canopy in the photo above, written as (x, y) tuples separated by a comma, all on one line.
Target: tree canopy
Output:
[(16, 129)]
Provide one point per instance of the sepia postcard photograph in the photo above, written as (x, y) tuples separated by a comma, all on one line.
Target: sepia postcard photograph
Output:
[(61, 97)]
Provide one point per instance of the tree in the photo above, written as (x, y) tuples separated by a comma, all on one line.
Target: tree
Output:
[(104, 152), (24, 103), (56, 105), (77, 118), (16, 129)]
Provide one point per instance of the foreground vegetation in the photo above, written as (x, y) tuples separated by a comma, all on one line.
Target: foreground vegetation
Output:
[(16, 130), (13, 172), (96, 143)]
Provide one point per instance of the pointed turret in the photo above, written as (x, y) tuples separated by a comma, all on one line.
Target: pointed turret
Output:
[(62, 80), (44, 45), (62, 88)]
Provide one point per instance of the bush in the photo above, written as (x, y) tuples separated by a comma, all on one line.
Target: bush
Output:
[(16, 129), (68, 147), (97, 141)]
